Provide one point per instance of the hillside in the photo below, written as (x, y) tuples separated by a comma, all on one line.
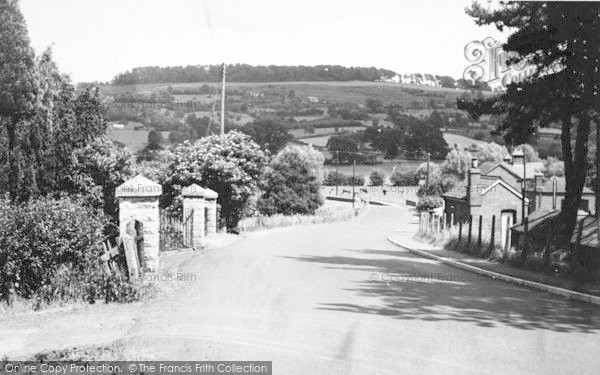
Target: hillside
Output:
[(277, 73), (356, 92), (250, 73)]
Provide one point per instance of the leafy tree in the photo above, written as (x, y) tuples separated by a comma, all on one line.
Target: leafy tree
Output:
[(230, 164), (18, 95), (269, 134), (377, 177), (554, 167), (420, 136), (154, 140), (530, 153), (480, 136), (435, 119), (439, 184), (428, 203), (291, 183), (334, 178), (403, 179), (345, 145), (560, 40), (421, 171), (457, 163), (490, 152), (98, 168)]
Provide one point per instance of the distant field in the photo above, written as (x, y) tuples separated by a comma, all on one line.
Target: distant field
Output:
[(461, 140), (317, 141), (354, 91), (301, 133), (387, 167), (135, 140)]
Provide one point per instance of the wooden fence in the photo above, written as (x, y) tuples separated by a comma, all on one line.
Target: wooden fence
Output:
[(476, 230)]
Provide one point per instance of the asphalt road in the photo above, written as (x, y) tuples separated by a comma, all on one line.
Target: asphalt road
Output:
[(340, 299)]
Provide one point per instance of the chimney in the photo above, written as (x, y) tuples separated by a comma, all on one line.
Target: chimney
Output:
[(474, 185), (537, 189), (518, 157), (507, 159)]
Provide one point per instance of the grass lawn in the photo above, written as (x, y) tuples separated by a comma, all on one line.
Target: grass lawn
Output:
[(460, 140)]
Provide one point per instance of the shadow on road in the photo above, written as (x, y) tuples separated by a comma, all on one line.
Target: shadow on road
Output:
[(417, 288)]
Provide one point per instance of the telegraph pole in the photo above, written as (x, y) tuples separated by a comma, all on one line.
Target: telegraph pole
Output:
[(353, 179), (223, 101), (524, 189), (427, 179), (337, 171)]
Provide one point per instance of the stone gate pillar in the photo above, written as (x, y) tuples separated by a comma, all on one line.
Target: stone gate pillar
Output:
[(210, 197), (193, 199), (138, 202)]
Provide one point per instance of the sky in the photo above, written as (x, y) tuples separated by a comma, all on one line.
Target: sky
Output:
[(93, 40)]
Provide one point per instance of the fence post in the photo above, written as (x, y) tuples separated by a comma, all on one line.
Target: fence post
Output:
[(479, 232), (470, 236), (493, 239), (525, 234)]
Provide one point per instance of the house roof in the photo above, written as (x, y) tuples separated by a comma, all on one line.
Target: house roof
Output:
[(486, 183), (531, 168), (536, 220), (589, 232), (506, 185), (541, 220), (490, 167), (561, 186)]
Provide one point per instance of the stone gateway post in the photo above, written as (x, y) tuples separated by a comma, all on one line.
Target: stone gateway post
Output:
[(138, 204), (194, 204), (210, 197)]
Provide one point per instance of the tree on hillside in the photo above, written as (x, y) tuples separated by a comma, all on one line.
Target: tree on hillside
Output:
[(154, 140), (422, 137), (377, 177), (435, 119), (561, 40), (292, 182), (269, 134), (346, 146)]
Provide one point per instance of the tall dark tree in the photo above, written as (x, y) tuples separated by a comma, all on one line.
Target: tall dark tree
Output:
[(562, 40), (18, 92), (269, 134)]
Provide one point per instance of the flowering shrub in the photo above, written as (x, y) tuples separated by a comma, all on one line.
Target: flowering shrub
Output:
[(231, 165)]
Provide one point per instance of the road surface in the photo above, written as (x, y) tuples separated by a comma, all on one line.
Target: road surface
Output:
[(331, 299), (340, 299)]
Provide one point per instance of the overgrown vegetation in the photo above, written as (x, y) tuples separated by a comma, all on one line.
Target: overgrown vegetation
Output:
[(292, 182)]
